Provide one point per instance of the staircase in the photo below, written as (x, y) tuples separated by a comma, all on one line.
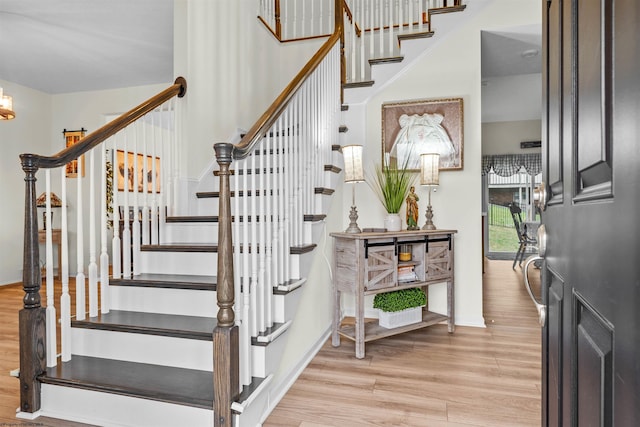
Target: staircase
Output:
[(147, 345)]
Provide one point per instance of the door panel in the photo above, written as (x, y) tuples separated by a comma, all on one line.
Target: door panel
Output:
[(593, 361), (553, 75), (593, 78), (554, 300), (591, 341)]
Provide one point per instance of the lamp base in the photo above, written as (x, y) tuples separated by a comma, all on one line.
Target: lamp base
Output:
[(429, 225), (353, 225)]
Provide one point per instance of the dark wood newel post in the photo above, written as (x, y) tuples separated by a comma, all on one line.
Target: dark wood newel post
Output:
[(32, 318), (226, 369)]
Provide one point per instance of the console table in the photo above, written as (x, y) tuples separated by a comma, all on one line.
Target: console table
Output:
[(367, 264)]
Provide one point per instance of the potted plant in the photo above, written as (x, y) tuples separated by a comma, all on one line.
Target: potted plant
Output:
[(399, 308), (391, 184)]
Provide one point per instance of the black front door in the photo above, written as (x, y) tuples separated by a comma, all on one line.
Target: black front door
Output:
[(591, 271)]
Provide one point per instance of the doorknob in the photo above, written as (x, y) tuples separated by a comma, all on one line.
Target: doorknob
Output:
[(542, 309), (540, 196)]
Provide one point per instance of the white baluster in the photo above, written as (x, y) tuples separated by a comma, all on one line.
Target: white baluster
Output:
[(250, 218), (268, 194), (80, 277), (162, 182), (260, 241), (93, 266), (146, 211), (126, 232), (154, 171), (51, 307), (104, 255), (116, 267), (138, 179), (65, 298), (362, 38)]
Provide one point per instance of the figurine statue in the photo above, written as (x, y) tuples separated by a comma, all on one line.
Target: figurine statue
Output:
[(412, 209)]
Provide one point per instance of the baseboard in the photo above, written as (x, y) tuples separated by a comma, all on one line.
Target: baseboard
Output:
[(278, 391)]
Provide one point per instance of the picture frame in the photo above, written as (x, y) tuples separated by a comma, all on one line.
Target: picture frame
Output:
[(411, 128), (144, 185), (74, 168)]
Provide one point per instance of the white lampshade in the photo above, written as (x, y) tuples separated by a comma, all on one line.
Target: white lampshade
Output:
[(6, 107), (429, 166), (353, 170)]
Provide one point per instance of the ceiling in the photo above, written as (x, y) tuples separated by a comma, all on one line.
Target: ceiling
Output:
[(513, 52), (66, 46)]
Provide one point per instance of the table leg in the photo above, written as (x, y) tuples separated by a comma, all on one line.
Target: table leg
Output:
[(359, 328), (335, 337)]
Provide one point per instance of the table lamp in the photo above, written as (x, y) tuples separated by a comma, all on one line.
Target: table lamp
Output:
[(41, 202), (429, 167), (353, 172)]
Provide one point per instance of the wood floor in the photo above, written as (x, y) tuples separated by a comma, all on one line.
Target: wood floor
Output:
[(475, 377)]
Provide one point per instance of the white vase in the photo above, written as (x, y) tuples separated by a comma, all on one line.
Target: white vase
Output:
[(392, 222)]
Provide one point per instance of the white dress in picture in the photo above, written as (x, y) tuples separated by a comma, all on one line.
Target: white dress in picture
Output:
[(420, 134)]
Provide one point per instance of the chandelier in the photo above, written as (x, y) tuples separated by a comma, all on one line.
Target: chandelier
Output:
[(6, 107)]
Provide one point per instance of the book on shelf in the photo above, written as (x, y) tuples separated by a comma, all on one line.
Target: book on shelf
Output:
[(407, 274)]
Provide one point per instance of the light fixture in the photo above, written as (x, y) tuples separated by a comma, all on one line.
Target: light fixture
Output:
[(530, 53), (429, 167), (41, 202), (6, 107), (353, 172)]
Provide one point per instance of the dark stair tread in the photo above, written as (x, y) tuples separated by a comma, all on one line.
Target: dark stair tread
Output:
[(176, 281), (206, 247), (273, 329), (216, 194), (415, 35), (168, 325), (323, 190), (447, 9), (387, 60), (363, 83), (162, 383), (181, 247)]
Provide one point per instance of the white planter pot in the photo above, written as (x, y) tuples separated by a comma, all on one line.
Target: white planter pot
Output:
[(395, 319), (392, 222)]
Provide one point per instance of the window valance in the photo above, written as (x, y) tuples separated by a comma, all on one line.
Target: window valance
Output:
[(509, 164)]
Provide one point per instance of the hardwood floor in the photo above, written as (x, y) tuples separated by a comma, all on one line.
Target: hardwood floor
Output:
[(475, 377)]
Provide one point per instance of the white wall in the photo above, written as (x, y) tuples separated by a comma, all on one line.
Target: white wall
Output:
[(505, 137), (234, 68), (451, 69), (29, 132)]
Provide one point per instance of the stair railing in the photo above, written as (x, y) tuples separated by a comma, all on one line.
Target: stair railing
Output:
[(39, 347), (292, 142), (371, 27)]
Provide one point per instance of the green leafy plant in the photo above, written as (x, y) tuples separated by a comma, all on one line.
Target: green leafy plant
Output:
[(391, 185), (400, 300)]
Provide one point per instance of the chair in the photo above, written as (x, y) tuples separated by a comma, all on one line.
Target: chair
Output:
[(524, 240)]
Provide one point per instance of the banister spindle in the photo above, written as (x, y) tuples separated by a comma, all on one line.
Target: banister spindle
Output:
[(32, 316), (225, 334)]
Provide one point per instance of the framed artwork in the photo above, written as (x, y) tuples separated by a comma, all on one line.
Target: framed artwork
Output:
[(412, 128), (74, 168), (144, 179)]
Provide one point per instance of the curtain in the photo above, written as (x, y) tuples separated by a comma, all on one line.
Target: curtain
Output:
[(509, 164)]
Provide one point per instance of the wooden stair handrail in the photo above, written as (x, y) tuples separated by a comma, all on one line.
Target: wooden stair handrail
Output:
[(179, 89), (269, 117)]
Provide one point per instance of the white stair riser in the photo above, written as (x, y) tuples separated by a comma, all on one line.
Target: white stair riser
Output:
[(266, 359), (285, 306), (142, 348), (108, 410), (165, 301), (191, 232), (196, 263)]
